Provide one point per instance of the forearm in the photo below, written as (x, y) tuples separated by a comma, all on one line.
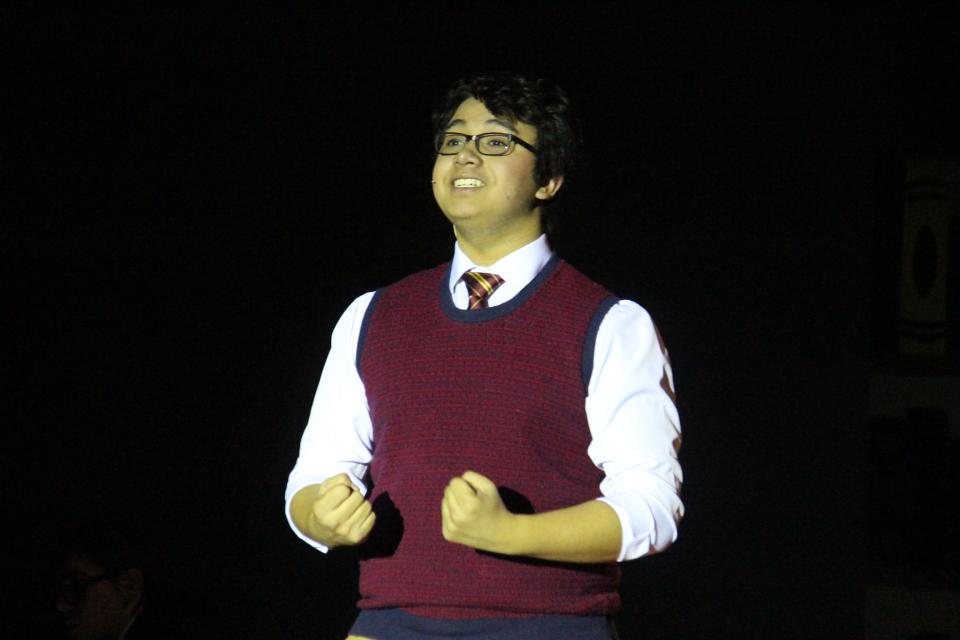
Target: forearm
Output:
[(584, 533)]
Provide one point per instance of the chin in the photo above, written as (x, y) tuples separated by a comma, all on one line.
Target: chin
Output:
[(460, 215)]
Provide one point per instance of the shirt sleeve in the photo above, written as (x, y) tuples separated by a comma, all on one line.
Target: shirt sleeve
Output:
[(338, 437), (635, 430)]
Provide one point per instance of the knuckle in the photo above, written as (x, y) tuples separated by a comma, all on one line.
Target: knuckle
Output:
[(335, 480), (327, 521)]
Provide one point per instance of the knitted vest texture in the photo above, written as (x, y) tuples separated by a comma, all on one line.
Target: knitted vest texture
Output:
[(498, 391)]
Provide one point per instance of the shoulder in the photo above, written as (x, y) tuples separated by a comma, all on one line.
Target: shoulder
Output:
[(348, 326), (628, 330), (355, 316), (627, 325), (627, 312), (415, 289)]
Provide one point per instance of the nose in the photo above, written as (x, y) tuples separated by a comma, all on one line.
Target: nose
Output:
[(468, 154)]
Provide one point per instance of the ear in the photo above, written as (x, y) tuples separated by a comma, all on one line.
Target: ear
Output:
[(549, 190)]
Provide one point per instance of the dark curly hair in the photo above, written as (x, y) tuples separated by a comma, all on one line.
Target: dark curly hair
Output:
[(535, 101)]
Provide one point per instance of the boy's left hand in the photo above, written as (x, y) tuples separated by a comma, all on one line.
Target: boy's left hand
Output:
[(474, 514)]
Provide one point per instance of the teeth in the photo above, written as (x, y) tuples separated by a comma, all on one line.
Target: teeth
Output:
[(462, 183)]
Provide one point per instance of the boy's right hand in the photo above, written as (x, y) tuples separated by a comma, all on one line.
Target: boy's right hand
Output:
[(339, 515)]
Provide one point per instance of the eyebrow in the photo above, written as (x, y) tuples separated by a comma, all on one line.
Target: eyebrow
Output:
[(503, 123)]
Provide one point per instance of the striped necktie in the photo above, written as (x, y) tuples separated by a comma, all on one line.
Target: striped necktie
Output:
[(480, 285)]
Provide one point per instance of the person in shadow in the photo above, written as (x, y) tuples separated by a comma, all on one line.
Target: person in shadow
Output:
[(109, 588)]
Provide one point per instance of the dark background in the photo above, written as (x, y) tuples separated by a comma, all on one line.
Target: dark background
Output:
[(192, 197)]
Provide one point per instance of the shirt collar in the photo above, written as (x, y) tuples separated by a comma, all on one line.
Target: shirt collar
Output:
[(517, 269)]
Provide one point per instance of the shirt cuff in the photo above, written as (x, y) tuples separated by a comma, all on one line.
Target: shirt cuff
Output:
[(630, 547)]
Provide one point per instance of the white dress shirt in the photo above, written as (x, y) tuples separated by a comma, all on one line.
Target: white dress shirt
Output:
[(634, 426)]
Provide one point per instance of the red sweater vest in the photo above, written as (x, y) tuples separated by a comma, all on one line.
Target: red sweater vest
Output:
[(499, 391)]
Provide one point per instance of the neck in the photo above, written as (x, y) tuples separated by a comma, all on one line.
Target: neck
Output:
[(485, 247)]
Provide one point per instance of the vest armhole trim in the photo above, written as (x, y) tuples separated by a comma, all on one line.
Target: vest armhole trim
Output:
[(365, 325), (590, 342)]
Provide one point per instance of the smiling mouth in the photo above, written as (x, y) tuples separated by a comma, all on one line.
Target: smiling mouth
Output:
[(468, 183)]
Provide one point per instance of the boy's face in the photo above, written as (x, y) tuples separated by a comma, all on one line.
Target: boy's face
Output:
[(491, 193)]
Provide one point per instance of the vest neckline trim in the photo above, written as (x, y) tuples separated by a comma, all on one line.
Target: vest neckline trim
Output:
[(492, 313)]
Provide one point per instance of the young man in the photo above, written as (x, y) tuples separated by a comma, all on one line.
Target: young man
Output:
[(498, 432)]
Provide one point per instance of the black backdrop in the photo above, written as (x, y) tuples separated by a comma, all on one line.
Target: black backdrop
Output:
[(192, 197)]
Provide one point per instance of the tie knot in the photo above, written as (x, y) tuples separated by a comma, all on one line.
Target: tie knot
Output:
[(480, 285)]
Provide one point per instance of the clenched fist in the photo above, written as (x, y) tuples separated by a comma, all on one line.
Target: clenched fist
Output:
[(334, 512), (474, 514)]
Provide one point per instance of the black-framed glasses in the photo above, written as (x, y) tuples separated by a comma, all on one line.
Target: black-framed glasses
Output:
[(450, 143)]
